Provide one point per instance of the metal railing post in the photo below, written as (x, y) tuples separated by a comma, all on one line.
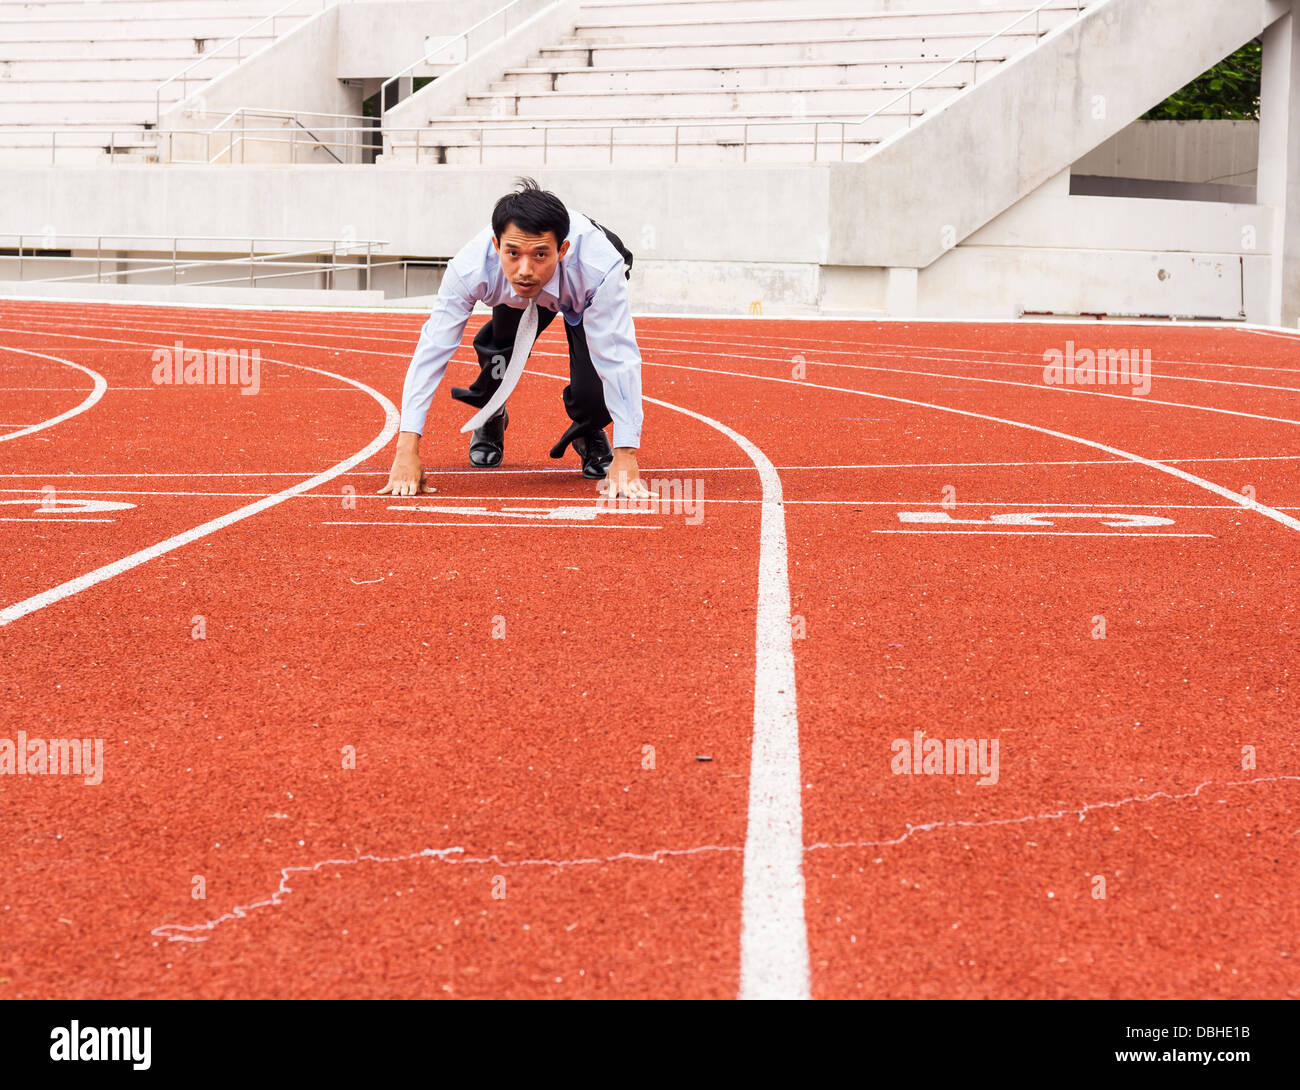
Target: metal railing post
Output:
[(99, 260), (744, 158), (368, 245), (252, 283), (20, 257), (293, 145), (611, 145), (677, 129), (54, 139), (841, 141), (546, 131), (175, 271)]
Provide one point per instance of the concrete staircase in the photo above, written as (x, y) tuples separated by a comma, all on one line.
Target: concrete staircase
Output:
[(91, 68), (647, 82)]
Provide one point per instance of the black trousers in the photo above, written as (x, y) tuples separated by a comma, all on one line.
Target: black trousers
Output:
[(584, 396)]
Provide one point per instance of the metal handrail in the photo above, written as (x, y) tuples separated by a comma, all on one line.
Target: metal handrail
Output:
[(254, 260), (449, 43), (184, 74), (132, 237)]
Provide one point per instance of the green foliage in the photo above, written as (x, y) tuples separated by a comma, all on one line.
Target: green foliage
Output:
[(1227, 92)]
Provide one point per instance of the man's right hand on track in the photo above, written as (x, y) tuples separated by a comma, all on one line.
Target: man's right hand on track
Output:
[(407, 477)]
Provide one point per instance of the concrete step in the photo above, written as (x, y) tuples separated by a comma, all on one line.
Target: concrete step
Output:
[(29, 145), (639, 10), (73, 156), (183, 50), (80, 91), (151, 70), (437, 141), (784, 28), (642, 155), (856, 48), (79, 11), (784, 101), (209, 27), (139, 66), (132, 113), (898, 73)]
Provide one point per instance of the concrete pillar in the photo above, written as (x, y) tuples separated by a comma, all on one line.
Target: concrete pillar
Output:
[(1279, 165)]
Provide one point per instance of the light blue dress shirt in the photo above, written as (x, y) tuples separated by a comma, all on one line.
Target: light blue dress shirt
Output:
[(588, 286)]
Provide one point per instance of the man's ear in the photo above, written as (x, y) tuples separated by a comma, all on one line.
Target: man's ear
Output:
[(564, 249), (496, 245)]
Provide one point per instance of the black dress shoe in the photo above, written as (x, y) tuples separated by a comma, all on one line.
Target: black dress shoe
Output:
[(593, 449), (488, 443)]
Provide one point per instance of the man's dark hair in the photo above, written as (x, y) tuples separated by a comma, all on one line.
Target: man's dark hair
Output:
[(533, 210)]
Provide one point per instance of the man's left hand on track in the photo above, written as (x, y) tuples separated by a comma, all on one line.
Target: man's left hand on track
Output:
[(623, 478)]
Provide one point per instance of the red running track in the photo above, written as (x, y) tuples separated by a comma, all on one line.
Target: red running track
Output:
[(525, 683)]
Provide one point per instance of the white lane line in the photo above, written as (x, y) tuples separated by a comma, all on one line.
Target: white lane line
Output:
[(386, 333), (540, 353), (53, 519), (659, 471), (1242, 501), (1040, 533), (97, 391), (1135, 505), (1280, 334), (549, 525), (83, 582)]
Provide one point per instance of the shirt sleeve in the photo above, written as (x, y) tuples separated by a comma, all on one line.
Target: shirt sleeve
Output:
[(439, 339), (611, 340)]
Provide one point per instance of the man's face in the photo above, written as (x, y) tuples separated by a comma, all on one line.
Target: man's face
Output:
[(528, 261)]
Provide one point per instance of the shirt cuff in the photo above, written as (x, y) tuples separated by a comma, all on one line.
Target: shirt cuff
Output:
[(626, 436)]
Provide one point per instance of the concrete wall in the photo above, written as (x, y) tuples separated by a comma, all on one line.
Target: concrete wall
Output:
[(713, 239), (1225, 152), (955, 171), (378, 38)]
